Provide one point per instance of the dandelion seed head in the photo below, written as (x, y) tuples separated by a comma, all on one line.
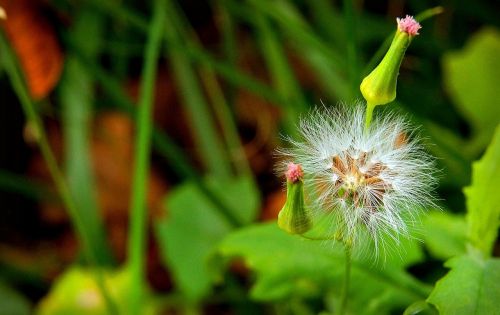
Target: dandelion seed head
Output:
[(367, 182)]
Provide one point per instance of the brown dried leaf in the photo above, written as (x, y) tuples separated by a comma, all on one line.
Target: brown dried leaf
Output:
[(34, 41)]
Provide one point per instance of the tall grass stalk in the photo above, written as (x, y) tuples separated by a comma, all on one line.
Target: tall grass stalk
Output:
[(216, 95), (33, 118), (164, 145), (352, 48), (144, 127), (206, 136), (76, 95)]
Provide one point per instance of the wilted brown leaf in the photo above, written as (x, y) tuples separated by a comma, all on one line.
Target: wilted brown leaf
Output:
[(35, 43)]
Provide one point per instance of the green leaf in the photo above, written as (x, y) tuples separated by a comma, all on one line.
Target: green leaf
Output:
[(76, 97), (12, 303), (471, 78), (471, 287), (76, 292), (444, 234), (483, 199), (194, 226), (420, 308), (288, 267), (473, 284)]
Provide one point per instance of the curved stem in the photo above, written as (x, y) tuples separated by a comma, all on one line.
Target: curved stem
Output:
[(369, 115), (32, 116), (347, 276), (312, 238)]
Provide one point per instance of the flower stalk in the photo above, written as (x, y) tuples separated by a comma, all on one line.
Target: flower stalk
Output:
[(347, 278)]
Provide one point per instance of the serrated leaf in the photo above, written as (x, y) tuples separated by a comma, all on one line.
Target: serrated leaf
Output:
[(444, 234), (471, 287), (288, 266), (471, 78), (483, 198), (194, 226)]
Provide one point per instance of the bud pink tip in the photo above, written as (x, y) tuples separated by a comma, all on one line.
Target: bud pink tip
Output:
[(294, 172), (408, 25)]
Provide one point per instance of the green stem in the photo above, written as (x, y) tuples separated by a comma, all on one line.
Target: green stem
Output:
[(62, 188), (138, 211), (369, 115), (317, 238), (347, 277)]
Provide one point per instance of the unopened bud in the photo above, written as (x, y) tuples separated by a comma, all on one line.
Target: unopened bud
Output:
[(294, 217), (3, 14), (379, 87)]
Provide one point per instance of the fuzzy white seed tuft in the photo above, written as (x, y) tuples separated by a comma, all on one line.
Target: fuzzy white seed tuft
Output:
[(375, 180)]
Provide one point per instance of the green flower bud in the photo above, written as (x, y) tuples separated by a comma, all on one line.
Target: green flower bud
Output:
[(294, 217), (379, 87)]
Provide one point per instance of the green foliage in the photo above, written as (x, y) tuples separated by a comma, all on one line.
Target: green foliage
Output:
[(309, 51), (473, 284), (194, 226), (471, 287), (12, 302), (209, 144), (483, 199), (76, 100), (444, 234), (75, 292), (471, 78), (289, 267)]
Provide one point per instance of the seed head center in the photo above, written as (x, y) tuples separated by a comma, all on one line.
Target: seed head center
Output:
[(358, 180)]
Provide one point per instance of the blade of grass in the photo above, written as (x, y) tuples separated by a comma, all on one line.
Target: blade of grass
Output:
[(25, 186), (217, 98), (352, 49), (282, 76), (161, 141), (144, 127), (76, 115), (76, 96), (328, 21), (211, 149), (324, 60), (18, 84), (196, 55), (233, 75), (227, 27), (122, 13), (295, 26)]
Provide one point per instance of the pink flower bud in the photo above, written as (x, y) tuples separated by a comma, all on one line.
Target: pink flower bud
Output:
[(294, 172), (408, 25)]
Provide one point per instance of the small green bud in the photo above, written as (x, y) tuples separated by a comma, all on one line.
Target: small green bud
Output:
[(294, 217), (379, 87)]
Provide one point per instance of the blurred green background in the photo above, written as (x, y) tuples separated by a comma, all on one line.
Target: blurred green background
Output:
[(175, 108)]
